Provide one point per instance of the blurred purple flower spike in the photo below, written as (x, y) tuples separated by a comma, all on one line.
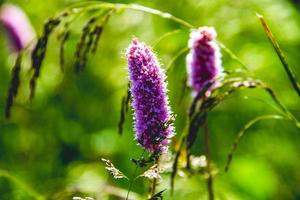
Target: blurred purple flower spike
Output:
[(153, 126), (204, 59), (17, 26)]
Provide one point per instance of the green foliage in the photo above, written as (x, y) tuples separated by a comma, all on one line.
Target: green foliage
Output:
[(50, 147)]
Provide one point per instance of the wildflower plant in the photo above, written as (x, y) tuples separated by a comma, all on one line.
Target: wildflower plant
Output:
[(152, 114), (204, 59), (209, 88)]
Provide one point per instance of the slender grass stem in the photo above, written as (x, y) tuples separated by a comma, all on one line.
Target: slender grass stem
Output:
[(80, 7), (91, 5), (208, 158), (120, 6), (157, 41), (284, 110), (181, 22), (232, 55), (280, 54), (169, 67), (182, 142), (242, 132), (157, 12)]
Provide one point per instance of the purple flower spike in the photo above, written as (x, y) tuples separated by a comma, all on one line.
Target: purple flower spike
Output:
[(17, 25), (204, 58), (152, 113)]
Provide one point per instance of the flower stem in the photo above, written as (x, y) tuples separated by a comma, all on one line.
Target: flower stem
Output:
[(133, 178), (154, 181), (153, 187), (131, 182)]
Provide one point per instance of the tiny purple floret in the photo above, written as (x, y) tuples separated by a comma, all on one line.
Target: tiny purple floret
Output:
[(204, 59), (17, 26), (152, 113)]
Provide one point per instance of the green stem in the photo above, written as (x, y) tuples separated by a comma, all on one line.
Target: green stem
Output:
[(154, 181), (242, 132), (131, 182), (182, 141), (169, 67), (133, 178), (280, 54), (232, 55), (208, 159), (157, 41), (120, 6), (284, 110), (153, 187)]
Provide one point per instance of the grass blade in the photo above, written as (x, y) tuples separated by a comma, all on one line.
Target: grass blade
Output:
[(167, 34), (232, 55), (242, 132), (280, 54), (169, 67)]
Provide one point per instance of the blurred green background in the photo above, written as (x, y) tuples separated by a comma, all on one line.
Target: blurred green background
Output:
[(54, 143)]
